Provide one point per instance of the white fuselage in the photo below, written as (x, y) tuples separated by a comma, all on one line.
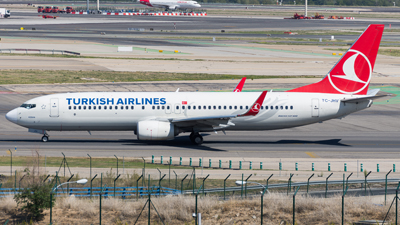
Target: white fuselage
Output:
[(121, 111), (171, 4)]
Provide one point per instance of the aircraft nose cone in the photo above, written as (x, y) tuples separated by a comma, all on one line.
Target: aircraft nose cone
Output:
[(12, 116)]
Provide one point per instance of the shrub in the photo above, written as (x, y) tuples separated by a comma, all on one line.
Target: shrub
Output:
[(34, 200)]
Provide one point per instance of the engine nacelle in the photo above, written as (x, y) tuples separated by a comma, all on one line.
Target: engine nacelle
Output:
[(155, 130)]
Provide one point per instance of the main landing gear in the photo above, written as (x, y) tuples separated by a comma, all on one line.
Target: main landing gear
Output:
[(45, 138), (196, 138)]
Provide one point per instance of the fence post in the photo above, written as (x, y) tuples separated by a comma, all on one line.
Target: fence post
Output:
[(377, 168), (190, 162), (230, 164), (365, 188), (209, 163), (182, 183), (204, 181), (137, 187), (161, 161), (200, 162), (180, 161), (225, 184), (262, 203), (159, 184), (345, 167), (394, 168), (344, 193), (114, 183), (245, 189), (152, 159), (251, 165), (308, 182), (241, 192), (220, 164), (90, 158), (386, 184), (329, 167), (312, 166), (294, 206), (361, 168), (176, 180), (326, 186), (296, 167), (289, 184), (261, 166), (91, 181)]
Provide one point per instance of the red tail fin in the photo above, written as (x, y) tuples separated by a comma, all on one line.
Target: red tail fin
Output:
[(352, 74), (240, 85)]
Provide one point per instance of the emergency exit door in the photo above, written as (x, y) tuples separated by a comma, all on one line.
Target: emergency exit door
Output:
[(54, 107), (315, 107)]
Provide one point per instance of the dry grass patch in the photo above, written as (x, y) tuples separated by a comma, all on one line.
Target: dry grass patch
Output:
[(179, 209)]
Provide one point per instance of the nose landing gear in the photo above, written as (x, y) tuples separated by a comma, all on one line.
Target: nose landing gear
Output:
[(196, 138)]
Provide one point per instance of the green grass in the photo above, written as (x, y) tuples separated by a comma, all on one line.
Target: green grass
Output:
[(389, 52), (66, 76), (82, 162)]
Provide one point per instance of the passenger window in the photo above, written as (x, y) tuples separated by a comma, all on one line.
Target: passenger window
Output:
[(153, 107), (110, 107), (272, 107), (84, 107), (262, 107), (209, 107), (194, 107), (291, 107), (162, 107), (79, 107), (230, 107), (69, 107), (188, 106), (266, 107), (105, 107), (177, 107), (132, 107), (281, 107), (94, 107), (122, 107), (116, 107), (143, 107), (215, 107), (247, 107), (241, 107), (183, 107), (158, 107), (167, 106), (286, 107), (204, 107), (126, 107), (89, 107), (224, 106), (219, 107), (235, 107), (276, 107)]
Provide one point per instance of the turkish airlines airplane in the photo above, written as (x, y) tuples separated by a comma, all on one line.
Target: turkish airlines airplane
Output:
[(171, 4), (164, 115)]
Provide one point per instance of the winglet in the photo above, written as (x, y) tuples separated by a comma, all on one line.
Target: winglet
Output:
[(255, 108), (240, 85)]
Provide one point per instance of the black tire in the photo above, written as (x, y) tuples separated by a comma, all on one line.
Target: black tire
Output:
[(197, 139), (45, 138)]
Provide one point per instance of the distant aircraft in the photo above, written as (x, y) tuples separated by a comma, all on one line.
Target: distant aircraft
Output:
[(164, 115), (171, 4)]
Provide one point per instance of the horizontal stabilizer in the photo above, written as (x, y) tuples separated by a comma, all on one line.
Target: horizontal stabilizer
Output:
[(366, 98)]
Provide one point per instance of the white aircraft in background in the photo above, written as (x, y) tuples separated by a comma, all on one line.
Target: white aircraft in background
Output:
[(164, 115), (171, 4)]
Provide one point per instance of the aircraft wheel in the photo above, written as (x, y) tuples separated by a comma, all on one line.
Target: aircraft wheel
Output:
[(45, 138), (197, 139)]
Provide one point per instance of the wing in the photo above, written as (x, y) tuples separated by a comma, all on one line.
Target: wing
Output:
[(219, 122)]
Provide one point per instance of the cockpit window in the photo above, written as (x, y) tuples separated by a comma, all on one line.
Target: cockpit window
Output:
[(28, 106)]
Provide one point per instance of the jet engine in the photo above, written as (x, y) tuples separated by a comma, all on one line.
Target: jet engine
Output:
[(172, 7), (155, 130)]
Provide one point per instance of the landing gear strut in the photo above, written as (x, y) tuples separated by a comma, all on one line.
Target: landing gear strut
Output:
[(196, 138), (45, 138)]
